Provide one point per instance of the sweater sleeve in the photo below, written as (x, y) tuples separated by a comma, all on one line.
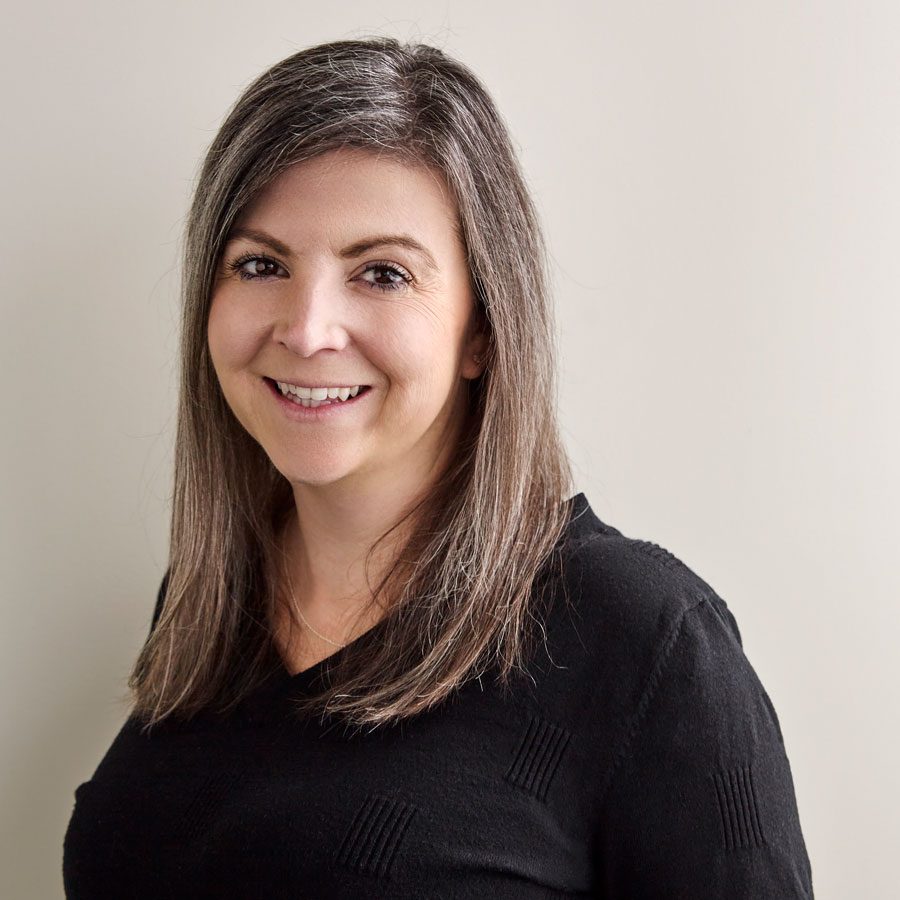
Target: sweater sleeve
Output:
[(700, 800)]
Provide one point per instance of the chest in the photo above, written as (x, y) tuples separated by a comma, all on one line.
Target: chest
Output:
[(476, 800)]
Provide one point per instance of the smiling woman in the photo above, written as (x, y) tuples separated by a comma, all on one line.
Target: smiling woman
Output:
[(392, 655), (326, 315)]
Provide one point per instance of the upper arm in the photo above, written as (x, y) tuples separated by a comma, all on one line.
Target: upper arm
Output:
[(700, 802)]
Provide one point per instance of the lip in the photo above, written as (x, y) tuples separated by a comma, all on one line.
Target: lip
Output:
[(331, 384), (324, 412)]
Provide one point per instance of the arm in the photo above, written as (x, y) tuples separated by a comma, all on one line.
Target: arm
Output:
[(700, 803)]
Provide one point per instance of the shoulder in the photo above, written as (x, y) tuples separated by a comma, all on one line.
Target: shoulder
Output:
[(655, 658), (635, 593), (679, 736), (679, 744), (632, 622)]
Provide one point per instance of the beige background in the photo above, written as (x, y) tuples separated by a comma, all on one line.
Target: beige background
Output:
[(720, 185)]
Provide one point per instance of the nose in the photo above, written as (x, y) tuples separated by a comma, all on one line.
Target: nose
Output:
[(311, 317)]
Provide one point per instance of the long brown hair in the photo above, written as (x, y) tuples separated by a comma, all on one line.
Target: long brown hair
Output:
[(462, 593)]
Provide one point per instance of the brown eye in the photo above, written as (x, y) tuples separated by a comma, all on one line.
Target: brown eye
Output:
[(403, 278), (253, 267)]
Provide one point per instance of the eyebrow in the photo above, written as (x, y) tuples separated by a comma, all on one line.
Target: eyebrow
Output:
[(357, 248)]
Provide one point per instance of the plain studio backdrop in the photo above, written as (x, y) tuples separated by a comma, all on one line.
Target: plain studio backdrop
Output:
[(720, 187)]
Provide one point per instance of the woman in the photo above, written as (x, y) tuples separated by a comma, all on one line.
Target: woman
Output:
[(389, 658)]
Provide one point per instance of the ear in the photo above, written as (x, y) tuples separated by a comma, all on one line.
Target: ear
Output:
[(477, 344)]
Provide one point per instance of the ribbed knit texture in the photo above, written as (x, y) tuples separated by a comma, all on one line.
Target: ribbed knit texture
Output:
[(640, 758)]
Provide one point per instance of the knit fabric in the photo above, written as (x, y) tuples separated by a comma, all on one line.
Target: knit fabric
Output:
[(640, 758)]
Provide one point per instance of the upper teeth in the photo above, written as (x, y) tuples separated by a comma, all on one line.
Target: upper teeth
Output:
[(330, 393)]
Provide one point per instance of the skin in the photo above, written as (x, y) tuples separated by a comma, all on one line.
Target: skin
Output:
[(315, 317)]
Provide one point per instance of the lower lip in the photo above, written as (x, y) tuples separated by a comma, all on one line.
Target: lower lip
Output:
[(321, 413)]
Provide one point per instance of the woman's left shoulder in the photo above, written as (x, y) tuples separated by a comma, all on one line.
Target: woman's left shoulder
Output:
[(644, 621), (636, 592), (678, 739)]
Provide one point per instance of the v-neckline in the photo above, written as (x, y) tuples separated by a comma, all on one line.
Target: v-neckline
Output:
[(582, 518), (306, 676)]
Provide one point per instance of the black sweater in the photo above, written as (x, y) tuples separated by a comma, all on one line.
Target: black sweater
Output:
[(642, 759)]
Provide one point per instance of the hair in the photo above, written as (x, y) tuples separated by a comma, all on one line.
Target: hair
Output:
[(463, 593)]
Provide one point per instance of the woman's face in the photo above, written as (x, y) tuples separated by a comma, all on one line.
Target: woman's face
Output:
[(305, 294)]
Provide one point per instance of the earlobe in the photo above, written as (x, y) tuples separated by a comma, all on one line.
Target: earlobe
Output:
[(478, 342), (474, 364)]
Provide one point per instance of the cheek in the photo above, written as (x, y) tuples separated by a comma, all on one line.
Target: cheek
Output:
[(417, 343), (418, 357), (232, 340)]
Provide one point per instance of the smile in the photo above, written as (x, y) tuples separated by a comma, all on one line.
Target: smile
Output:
[(296, 400)]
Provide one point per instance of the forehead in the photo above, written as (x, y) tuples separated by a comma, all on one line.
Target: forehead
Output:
[(338, 195)]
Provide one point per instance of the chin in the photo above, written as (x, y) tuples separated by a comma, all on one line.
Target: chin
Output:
[(314, 476)]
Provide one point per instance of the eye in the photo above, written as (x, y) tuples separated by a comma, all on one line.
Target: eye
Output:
[(262, 266), (403, 277)]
